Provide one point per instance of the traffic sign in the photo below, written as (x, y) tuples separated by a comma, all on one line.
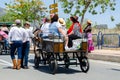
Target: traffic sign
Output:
[(54, 10), (53, 5)]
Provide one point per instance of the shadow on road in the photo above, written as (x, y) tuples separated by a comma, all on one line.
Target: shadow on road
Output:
[(60, 69), (8, 67), (115, 69)]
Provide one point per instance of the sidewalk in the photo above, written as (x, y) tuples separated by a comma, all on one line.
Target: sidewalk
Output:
[(102, 54), (106, 55)]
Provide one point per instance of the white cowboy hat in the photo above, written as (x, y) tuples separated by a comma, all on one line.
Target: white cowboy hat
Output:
[(27, 22), (17, 21)]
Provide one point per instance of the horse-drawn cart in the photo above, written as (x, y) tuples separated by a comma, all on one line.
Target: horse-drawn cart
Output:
[(51, 51)]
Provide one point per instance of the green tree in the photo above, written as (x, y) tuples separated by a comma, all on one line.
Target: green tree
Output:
[(27, 10), (68, 22), (80, 7)]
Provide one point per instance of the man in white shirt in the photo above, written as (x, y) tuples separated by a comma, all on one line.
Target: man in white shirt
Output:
[(16, 37), (26, 45)]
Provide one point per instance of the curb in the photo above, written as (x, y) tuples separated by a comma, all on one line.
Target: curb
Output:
[(109, 58)]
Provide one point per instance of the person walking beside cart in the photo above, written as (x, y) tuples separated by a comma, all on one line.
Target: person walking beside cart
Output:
[(88, 28), (88, 35), (16, 37), (26, 45), (75, 31)]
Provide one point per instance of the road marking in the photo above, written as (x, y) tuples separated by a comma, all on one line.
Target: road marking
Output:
[(5, 62)]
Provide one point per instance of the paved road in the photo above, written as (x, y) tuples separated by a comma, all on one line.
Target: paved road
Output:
[(99, 70)]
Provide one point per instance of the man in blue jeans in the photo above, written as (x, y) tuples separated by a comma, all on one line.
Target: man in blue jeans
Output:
[(16, 37), (26, 45)]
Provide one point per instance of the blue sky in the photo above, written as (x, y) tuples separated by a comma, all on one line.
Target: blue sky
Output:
[(99, 19)]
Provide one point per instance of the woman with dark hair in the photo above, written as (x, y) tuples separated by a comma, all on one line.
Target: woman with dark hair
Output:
[(75, 30), (56, 29)]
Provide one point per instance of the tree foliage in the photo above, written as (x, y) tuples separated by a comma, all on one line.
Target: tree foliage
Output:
[(68, 22), (27, 10), (80, 7)]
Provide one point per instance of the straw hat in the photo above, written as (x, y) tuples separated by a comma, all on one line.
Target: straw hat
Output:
[(61, 21), (89, 21), (27, 22)]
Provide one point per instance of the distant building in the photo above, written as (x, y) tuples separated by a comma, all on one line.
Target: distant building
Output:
[(102, 26)]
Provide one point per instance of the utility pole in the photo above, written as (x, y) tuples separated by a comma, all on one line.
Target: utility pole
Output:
[(54, 1)]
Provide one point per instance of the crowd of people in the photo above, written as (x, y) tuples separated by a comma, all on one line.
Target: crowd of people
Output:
[(19, 37)]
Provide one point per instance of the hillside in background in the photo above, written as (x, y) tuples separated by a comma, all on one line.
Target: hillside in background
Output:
[(2, 11)]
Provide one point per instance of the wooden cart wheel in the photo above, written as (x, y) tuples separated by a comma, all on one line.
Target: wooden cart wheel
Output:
[(84, 64), (53, 66)]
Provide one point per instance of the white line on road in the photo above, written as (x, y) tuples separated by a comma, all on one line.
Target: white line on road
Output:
[(5, 62)]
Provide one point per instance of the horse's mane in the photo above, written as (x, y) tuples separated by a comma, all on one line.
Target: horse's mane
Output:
[(36, 30)]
